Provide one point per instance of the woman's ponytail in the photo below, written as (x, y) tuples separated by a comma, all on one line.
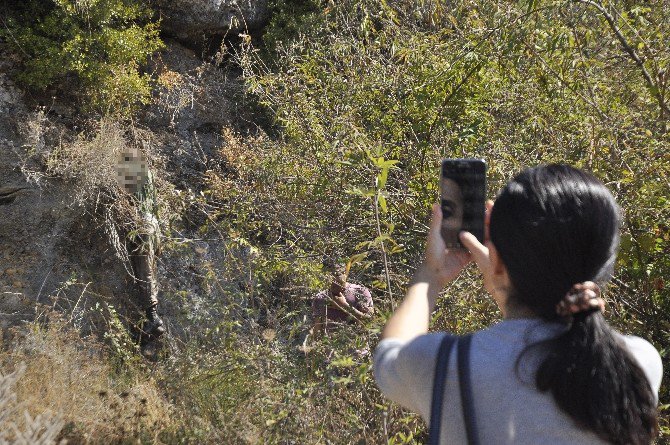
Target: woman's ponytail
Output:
[(595, 380), (554, 226)]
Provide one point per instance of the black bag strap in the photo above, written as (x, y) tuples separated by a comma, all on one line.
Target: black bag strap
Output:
[(467, 402), (441, 366)]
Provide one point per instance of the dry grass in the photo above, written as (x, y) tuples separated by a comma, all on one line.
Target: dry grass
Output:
[(42, 429), (68, 384), (91, 158)]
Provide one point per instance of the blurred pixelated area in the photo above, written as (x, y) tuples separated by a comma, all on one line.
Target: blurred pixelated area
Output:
[(132, 171)]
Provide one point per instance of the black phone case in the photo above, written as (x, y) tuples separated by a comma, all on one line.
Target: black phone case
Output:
[(462, 199)]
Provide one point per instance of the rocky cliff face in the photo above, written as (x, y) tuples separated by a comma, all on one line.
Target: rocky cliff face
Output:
[(191, 20), (54, 248)]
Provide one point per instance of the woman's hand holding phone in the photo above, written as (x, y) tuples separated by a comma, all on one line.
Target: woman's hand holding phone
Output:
[(481, 253), (440, 265)]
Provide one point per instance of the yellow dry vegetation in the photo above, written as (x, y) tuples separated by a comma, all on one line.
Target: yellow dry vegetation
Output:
[(67, 379)]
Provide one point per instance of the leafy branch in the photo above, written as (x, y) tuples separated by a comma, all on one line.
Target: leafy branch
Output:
[(653, 86)]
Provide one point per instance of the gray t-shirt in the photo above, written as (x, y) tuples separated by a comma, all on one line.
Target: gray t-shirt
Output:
[(507, 406)]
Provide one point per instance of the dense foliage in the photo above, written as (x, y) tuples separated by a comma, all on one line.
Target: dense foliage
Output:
[(366, 97), (103, 43), (371, 95)]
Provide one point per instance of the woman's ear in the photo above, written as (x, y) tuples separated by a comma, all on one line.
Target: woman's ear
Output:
[(500, 281), (497, 265)]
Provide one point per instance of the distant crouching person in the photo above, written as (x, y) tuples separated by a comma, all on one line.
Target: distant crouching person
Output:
[(343, 302)]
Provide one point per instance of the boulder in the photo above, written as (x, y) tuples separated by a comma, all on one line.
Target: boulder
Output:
[(193, 20)]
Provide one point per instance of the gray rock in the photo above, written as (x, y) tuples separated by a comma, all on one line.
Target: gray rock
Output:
[(191, 20), (192, 108), (52, 247), (10, 96), (49, 246)]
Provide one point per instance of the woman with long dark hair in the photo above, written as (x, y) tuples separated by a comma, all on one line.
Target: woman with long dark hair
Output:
[(552, 371)]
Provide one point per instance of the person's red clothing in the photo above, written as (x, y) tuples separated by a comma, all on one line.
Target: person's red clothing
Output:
[(358, 297)]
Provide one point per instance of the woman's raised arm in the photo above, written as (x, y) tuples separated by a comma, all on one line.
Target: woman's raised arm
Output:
[(440, 266)]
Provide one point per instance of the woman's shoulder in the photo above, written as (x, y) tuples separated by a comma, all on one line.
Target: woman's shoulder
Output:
[(638, 344), (647, 357), (519, 331), (423, 345), (402, 368), (417, 354)]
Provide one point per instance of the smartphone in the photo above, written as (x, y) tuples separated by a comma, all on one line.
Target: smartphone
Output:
[(462, 199)]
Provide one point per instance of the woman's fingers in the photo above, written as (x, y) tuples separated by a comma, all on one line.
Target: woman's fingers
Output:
[(487, 219), (436, 219), (442, 264), (434, 232), (480, 253)]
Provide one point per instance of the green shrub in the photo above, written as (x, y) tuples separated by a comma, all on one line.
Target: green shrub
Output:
[(370, 95), (288, 19), (102, 43)]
